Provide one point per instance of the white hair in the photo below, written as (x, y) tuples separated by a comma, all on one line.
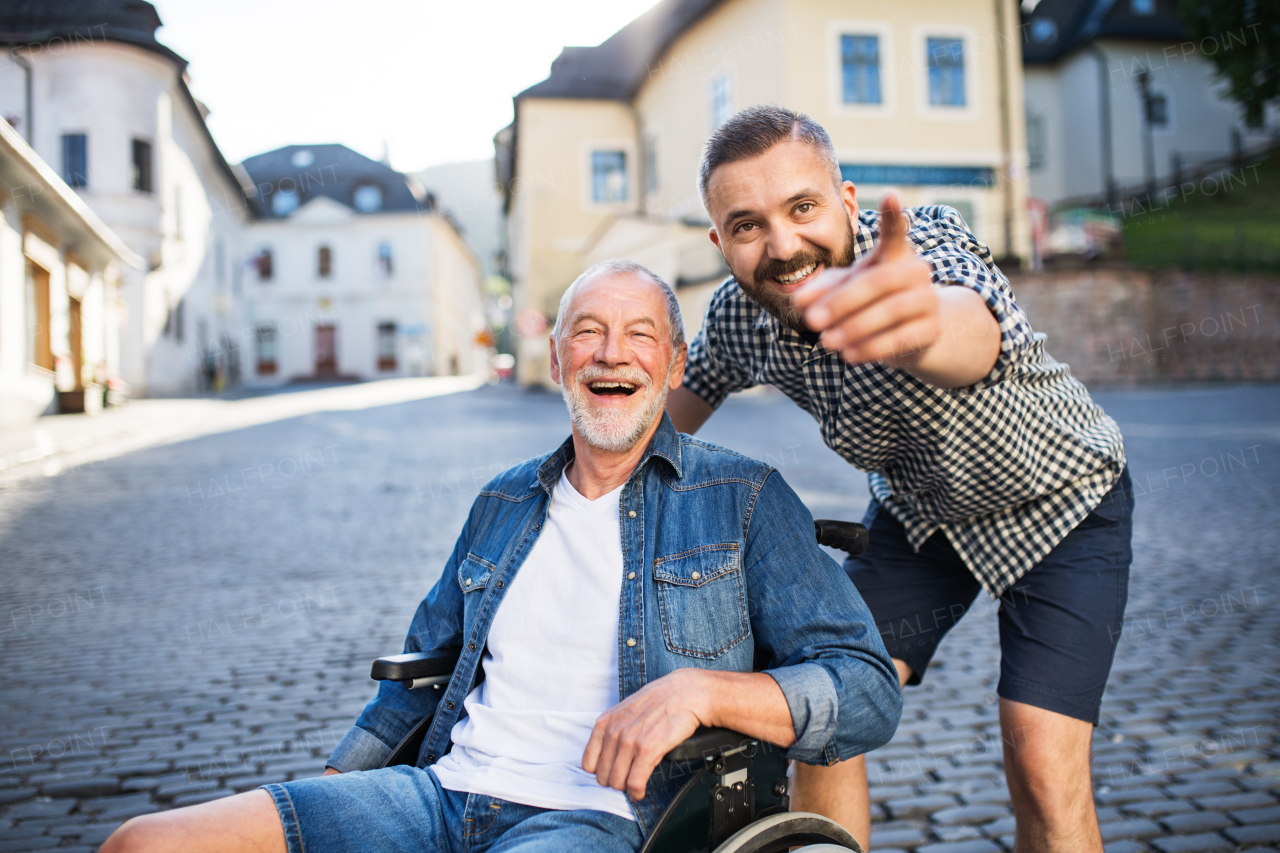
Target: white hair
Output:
[(675, 324)]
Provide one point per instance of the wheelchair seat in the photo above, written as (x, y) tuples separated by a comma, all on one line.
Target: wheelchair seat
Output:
[(735, 799)]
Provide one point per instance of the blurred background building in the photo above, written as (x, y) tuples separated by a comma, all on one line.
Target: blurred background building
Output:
[(354, 273)]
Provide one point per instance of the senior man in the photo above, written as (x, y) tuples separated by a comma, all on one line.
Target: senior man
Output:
[(990, 466), (610, 597)]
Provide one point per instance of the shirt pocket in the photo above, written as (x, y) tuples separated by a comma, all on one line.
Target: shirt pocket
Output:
[(701, 599), (474, 574)]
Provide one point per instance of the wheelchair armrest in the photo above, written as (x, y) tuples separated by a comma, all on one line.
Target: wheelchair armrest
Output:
[(848, 536), (708, 742), (415, 665)]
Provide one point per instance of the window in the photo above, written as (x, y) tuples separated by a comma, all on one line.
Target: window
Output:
[(608, 177), (1035, 141), (265, 346), (284, 201), (368, 198), (386, 263), (946, 72), (262, 262), (386, 346), (1142, 7), (142, 166), (721, 100), (75, 159), (860, 65), (324, 262), (1158, 110), (1044, 30)]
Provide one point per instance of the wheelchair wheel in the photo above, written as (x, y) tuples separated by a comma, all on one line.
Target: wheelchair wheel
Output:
[(780, 832)]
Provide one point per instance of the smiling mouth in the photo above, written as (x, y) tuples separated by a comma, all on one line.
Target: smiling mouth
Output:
[(792, 279), (611, 389)]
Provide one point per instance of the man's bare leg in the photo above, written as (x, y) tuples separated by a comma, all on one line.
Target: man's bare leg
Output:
[(244, 823), (1046, 761), (839, 792)]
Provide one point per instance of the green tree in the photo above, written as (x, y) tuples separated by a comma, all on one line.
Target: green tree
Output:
[(1242, 39)]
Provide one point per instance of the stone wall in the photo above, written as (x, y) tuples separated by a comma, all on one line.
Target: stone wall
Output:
[(1118, 326)]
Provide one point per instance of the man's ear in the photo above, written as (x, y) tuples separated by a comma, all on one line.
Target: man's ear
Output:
[(677, 367), (715, 238), (555, 361), (849, 196)]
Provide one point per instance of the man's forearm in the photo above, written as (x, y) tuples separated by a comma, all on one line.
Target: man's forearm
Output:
[(751, 703), (687, 410), (966, 347)]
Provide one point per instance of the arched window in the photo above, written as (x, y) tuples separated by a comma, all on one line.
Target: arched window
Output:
[(284, 202), (368, 198), (324, 261)]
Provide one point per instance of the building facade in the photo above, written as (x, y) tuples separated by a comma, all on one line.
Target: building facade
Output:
[(1118, 96), (352, 272), (97, 96), (59, 291), (602, 156)]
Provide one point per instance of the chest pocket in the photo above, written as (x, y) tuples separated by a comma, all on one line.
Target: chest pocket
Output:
[(474, 574), (702, 600)]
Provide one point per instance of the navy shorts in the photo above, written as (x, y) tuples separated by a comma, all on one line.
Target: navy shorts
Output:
[(1059, 623)]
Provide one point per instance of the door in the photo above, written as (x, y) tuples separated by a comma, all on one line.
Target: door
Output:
[(40, 349), (326, 350), (77, 342)]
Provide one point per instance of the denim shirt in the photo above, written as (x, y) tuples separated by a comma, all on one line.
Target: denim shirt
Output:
[(721, 571)]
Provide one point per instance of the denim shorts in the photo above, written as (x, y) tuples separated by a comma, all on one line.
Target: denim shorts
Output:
[(403, 809), (1059, 623)]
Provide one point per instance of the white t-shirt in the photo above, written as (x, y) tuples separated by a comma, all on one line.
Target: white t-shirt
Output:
[(551, 667)]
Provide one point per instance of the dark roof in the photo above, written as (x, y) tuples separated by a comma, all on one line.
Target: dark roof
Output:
[(38, 21), (335, 172), (77, 21), (615, 68), (1057, 28)]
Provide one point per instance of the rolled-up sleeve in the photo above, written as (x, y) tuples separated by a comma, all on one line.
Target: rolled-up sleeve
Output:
[(817, 637), (958, 258)]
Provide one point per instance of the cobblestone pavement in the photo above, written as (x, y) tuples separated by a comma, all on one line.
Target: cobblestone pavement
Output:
[(194, 619)]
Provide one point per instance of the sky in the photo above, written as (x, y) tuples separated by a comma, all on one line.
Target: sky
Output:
[(430, 80)]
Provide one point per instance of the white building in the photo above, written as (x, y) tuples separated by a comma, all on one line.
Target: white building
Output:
[(351, 273), (1092, 130), (97, 96), (59, 273)]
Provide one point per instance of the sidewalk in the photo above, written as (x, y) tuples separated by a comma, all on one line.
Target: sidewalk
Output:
[(52, 444)]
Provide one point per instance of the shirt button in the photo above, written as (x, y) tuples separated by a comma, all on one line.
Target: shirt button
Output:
[(538, 526), (631, 576), (467, 582), (695, 575), (431, 756), (449, 705), (471, 647), (499, 584), (631, 641), (631, 514)]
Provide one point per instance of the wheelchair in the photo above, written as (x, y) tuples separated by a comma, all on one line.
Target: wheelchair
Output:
[(735, 799)]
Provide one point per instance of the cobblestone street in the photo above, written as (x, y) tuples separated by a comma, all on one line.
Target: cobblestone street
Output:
[(190, 620)]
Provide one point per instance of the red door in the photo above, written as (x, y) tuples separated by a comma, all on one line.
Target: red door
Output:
[(326, 351)]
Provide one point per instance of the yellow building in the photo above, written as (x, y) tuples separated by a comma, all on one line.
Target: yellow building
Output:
[(924, 97)]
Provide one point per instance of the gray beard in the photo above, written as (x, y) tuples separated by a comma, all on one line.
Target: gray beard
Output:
[(610, 430)]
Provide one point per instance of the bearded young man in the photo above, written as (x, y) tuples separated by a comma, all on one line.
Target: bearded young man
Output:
[(990, 466), (607, 599)]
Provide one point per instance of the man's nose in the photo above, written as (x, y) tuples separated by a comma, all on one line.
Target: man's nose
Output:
[(614, 349), (783, 243)]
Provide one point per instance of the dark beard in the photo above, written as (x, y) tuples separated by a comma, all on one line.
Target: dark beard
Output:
[(763, 293)]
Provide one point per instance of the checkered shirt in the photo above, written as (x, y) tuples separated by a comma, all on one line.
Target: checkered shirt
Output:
[(1005, 467)]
